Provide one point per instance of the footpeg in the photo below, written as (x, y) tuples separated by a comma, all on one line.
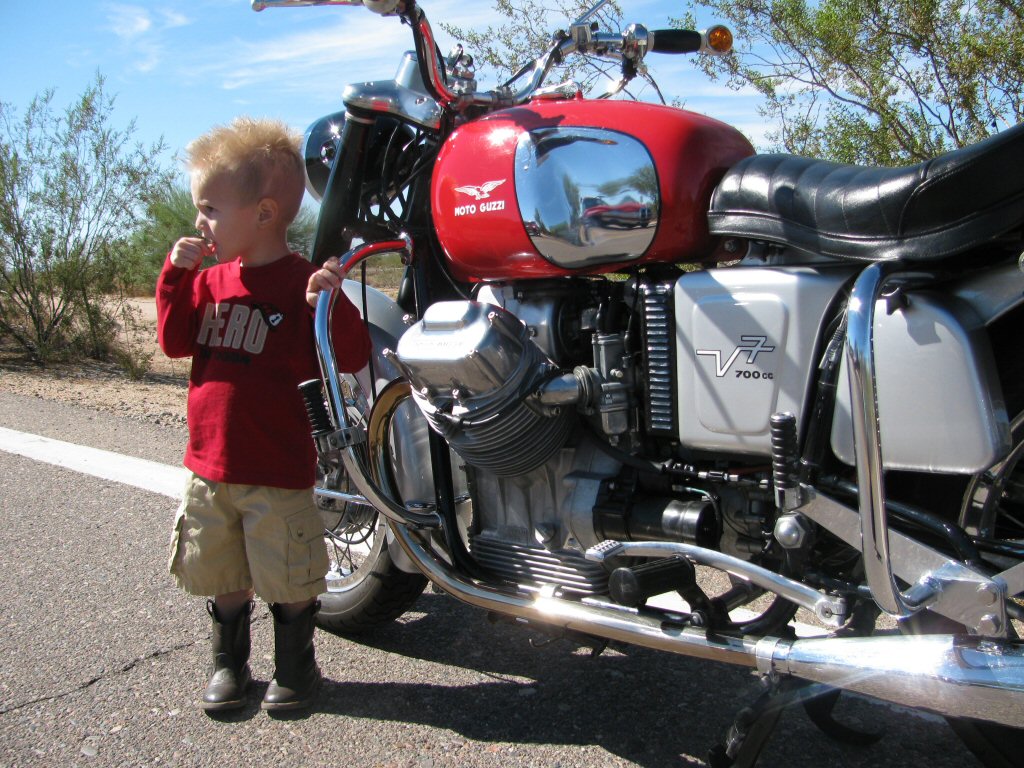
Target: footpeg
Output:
[(830, 610), (606, 549), (633, 586)]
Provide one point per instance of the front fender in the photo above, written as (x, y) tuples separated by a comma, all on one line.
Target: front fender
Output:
[(381, 310)]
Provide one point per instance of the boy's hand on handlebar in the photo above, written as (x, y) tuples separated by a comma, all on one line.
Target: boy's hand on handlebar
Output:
[(327, 277), (189, 252)]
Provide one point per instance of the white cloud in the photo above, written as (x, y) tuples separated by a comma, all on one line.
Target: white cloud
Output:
[(305, 59), (173, 19), (128, 22), (147, 60), (141, 32)]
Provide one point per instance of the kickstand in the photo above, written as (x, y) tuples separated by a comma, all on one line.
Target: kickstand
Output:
[(754, 724), (819, 709), (752, 727)]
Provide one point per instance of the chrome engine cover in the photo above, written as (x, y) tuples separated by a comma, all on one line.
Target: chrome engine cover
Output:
[(473, 369)]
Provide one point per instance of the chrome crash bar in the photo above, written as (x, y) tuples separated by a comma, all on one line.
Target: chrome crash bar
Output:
[(348, 436), (259, 5), (867, 440), (943, 587)]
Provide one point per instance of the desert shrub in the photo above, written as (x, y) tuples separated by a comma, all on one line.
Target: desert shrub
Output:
[(72, 190)]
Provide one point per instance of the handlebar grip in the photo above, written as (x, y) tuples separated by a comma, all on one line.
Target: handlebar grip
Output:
[(674, 41)]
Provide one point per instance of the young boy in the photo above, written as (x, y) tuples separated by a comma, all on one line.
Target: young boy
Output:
[(248, 522)]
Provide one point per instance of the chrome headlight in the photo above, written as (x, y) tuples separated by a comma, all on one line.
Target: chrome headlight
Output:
[(319, 148), (322, 145)]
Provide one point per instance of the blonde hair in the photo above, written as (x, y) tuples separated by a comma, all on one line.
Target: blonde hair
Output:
[(261, 155)]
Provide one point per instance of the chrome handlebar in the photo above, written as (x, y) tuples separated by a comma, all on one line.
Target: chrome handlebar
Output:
[(373, 5), (582, 37), (259, 5)]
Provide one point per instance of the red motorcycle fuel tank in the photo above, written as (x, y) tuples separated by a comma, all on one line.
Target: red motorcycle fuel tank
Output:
[(578, 186)]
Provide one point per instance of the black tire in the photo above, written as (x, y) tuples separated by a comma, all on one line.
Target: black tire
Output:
[(373, 594), (996, 746)]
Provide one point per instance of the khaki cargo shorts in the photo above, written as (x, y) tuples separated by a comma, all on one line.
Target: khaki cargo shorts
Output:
[(231, 537)]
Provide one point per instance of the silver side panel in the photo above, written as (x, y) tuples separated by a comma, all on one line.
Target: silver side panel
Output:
[(747, 341), (940, 406)]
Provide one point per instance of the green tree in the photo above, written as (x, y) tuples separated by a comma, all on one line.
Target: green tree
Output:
[(302, 231), (169, 215), (509, 46), (883, 82), (72, 190)]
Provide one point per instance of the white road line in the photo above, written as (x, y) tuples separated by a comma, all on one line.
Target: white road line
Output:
[(139, 473)]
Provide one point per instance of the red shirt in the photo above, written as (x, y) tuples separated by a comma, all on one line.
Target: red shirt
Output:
[(250, 333)]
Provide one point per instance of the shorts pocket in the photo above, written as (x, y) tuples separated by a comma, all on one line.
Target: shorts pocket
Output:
[(307, 554), (179, 522)]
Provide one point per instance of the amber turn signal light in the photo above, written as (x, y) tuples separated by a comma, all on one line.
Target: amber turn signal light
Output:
[(719, 39)]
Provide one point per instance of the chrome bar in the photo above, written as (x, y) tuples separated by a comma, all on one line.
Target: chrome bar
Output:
[(433, 67), (348, 498), (829, 610), (325, 311), (259, 5), (867, 441), (336, 399), (1014, 579), (945, 674), (591, 13), (965, 595)]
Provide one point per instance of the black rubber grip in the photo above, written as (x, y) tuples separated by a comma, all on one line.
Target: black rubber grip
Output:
[(316, 409), (674, 41), (632, 586)]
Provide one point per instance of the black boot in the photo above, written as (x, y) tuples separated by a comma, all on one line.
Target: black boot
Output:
[(296, 675), (231, 644)]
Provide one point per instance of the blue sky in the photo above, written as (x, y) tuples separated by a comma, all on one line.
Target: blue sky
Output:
[(180, 68)]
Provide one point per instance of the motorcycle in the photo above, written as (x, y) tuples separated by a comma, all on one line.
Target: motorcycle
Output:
[(563, 419)]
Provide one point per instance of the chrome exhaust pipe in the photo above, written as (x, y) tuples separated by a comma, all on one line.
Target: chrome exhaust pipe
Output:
[(945, 674)]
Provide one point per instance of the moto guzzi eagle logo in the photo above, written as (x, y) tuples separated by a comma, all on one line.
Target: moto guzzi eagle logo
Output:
[(481, 194), (483, 191)]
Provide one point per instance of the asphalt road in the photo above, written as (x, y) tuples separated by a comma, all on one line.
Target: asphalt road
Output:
[(102, 659)]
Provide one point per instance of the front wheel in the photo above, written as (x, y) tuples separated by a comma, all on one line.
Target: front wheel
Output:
[(364, 587)]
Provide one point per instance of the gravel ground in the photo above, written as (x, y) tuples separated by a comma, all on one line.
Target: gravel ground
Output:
[(158, 397)]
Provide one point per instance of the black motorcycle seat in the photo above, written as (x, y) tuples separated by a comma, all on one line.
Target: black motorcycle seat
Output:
[(937, 208)]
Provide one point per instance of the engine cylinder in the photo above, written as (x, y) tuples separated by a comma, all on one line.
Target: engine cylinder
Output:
[(474, 370)]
